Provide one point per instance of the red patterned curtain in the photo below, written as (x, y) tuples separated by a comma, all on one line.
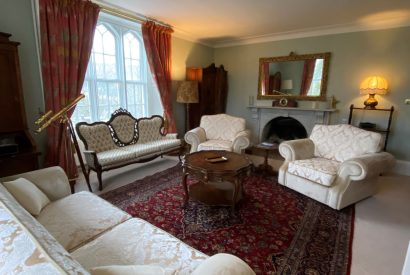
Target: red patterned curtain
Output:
[(157, 43), (67, 30), (307, 77)]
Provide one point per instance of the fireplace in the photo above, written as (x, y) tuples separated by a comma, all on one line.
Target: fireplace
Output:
[(283, 128), (297, 117)]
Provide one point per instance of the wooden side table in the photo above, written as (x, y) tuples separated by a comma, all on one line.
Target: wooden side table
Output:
[(265, 168), (212, 175)]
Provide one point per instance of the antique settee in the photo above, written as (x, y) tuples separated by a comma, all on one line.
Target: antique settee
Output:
[(337, 165), (219, 132), (47, 230), (124, 140)]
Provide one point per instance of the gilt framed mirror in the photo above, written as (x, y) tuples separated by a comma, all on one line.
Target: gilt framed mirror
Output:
[(301, 77)]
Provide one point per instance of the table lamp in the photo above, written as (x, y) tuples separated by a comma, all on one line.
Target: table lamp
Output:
[(287, 84), (187, 93), (373, 85)]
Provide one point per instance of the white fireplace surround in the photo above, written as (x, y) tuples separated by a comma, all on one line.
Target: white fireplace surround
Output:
[(308, 117)]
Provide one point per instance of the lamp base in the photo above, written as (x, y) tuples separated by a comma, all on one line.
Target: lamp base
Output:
[(371, 102)]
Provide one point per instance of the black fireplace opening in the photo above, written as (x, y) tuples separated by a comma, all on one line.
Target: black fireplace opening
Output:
[(283, 128)]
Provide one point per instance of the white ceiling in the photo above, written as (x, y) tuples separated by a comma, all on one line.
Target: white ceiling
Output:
[(228, 22)]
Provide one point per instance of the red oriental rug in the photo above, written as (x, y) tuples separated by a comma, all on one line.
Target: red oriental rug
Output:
[(275, 230)]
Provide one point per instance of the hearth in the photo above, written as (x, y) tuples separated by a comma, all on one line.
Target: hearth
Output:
[(283, 128)]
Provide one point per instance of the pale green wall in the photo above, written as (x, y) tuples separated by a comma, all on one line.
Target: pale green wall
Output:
[(16, 18), (186, 54), (354, 57)]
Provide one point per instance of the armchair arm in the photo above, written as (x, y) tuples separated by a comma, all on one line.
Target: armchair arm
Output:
[(297, 149), (241, 141), (194, 137), (367, 165), (52, 181), (171, 136), (223, 263), (91, 159)]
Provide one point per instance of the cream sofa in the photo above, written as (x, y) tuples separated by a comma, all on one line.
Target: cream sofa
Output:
[(124, 140), (219, 132), (337, 165), (79, 233)]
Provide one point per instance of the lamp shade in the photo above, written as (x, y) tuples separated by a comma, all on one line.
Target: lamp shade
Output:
[(287, 84), (374, 85), (187, 92)]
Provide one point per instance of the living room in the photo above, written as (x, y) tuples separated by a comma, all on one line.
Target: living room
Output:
[(372, 40)]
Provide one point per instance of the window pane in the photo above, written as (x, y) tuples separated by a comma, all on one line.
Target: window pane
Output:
[(128, 69), (114, 96), (99, 65), (136, 70), (110, 67)]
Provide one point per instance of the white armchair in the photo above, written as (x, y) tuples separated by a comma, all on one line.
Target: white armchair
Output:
[(337, 165), (219, 132)]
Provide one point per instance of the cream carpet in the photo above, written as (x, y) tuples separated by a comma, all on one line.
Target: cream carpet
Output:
[(382, 224)]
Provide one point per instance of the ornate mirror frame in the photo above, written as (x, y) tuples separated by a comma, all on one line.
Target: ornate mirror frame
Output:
[(294, 57)]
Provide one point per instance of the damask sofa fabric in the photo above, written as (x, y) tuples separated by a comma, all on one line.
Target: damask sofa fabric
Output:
[(95, 232), (219, 132), (337, 165), (124, 140), (76, 219)]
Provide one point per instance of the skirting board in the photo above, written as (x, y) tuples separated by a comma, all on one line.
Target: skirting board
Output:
[(402, 167)]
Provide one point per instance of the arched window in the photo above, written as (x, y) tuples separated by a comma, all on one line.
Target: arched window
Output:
[(117, 74)]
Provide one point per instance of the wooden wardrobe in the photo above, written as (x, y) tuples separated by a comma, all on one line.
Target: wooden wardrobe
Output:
[(18, 152), (213, 92)]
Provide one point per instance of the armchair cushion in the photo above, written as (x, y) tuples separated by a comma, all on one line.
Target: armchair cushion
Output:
[(215, 145), (222, 126), (343, 142), (319, 170)]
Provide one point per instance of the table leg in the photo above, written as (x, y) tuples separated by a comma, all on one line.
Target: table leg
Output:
[(184, 184), (235, 192)]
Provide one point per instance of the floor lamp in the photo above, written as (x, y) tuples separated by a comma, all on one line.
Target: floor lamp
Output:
[(187, 93)]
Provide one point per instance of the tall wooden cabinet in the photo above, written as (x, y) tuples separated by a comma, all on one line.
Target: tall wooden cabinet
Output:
[(213, 93), (18, 152)]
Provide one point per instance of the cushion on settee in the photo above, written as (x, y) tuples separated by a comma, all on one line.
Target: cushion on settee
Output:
[(137, 242), (97, 136), (28, 195), (114, 156), (131, 270), (223, 263), (80, 217), (319, 170), (42, 240)]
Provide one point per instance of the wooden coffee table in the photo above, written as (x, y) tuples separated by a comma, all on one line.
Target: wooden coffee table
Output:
[(214, 176)]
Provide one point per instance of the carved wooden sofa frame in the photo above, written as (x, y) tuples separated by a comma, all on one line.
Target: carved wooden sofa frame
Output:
[(123, 142)]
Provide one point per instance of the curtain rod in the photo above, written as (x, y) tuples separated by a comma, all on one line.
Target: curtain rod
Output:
[(128, 15)]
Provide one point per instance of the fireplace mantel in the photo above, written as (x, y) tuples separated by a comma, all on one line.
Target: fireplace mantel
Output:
[(292, 109), (308, 117)]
